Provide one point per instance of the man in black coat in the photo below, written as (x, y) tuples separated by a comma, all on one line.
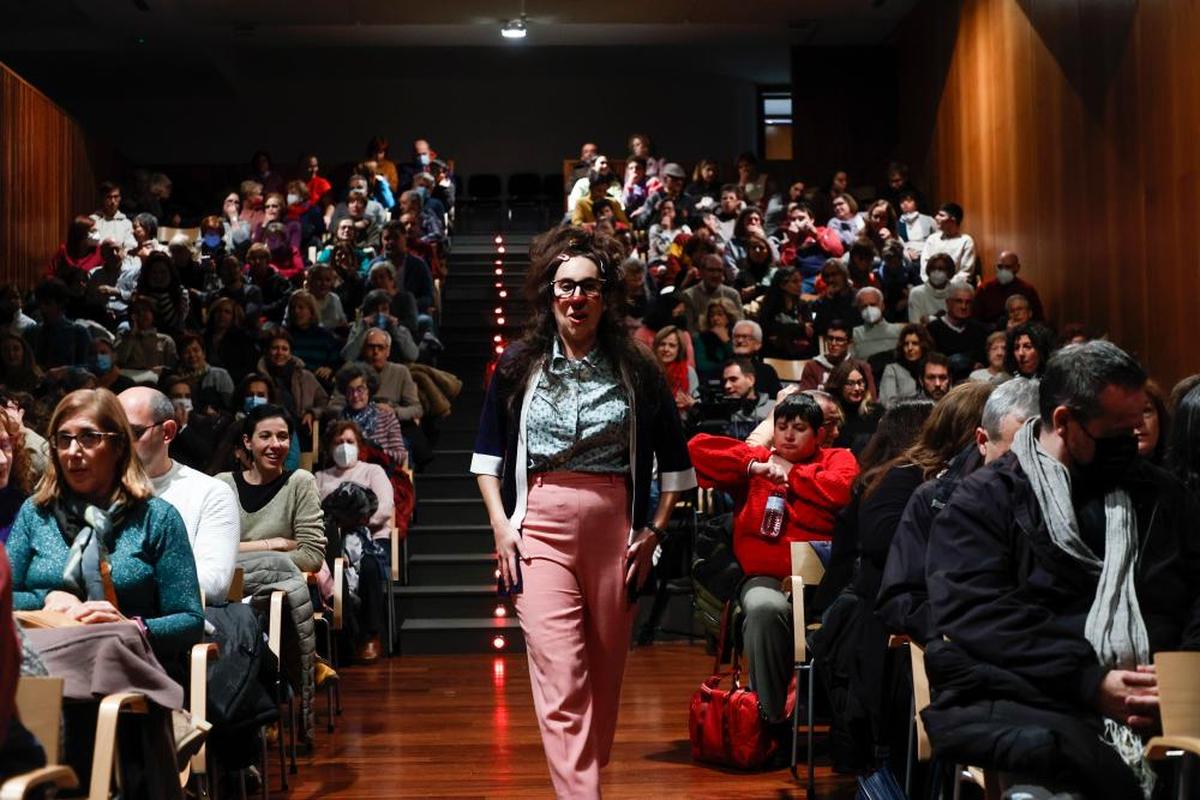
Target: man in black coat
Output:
[(1019, 686)]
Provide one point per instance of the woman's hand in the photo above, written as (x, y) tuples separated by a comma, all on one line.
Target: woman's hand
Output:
[(638, 558), (508, 550), (323, 373), (62, 602), (94, 612), (307, 420), (684, 400), (283, 544)]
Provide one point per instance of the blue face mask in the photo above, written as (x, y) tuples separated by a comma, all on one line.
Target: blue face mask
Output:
[(424, 158), (381, 321), (423, 191), (103, 362), (250, 403), (211, 240)]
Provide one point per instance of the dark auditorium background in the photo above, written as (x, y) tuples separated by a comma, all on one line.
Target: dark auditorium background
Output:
[(1065, 128)]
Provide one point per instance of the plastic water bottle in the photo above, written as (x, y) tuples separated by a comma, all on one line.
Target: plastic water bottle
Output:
[(774, 515)]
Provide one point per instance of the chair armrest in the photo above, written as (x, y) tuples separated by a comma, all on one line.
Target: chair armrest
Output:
[(237, 586), (19, 786), (201, 655), (339, 575), (105, 750), (394, 543), (1158, 747), (799, 645), (275, 625)]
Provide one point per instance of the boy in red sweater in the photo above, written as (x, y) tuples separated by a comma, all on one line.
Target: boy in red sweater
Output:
[(816, 483)]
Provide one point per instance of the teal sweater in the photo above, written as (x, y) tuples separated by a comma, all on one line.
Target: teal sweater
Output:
[(153, 571)]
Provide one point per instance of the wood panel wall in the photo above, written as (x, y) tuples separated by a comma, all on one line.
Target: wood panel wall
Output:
[(46, 178), (1068, 130)]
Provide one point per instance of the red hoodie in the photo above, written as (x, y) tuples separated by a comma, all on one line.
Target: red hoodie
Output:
[(815, 491)]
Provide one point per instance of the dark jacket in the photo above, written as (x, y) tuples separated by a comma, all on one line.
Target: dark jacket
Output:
[(1003, 592), (656, 434)]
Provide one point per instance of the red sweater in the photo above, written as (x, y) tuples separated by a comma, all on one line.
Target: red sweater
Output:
[(816, 491)]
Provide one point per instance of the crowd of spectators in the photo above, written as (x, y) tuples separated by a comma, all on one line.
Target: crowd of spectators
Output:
[(964, 470), (171, 384)]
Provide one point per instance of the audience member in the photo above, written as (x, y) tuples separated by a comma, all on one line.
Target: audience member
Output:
[(935, 376), (142, 347), (1027, 350), (1182, 456), (993, 295), (752, 406), (837, 347), (314, 346), (993, 371), (299, 390), (950, 240), (901, 379), (808, 247), (754, 270), (928, 300), (712, 344), (846, 222), (377, 313), (16, 472), (213, 386), (912, 226), (110, 222), (751, 182), (672, 177), (19, 370), (874, 335), (747, 343), (747, 228), (815, 483), (376, 421), (95, 544), (849, 384), (80, 250), (227, 342), (697, 298), (836, 301), (1154, 430), (785, 317), (956, 333), (682, 380), (1031, 575), (56, 341), (879, 224), (207, 506), (896, 276)]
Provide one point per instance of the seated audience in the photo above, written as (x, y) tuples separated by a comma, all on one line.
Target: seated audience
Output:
[(846, 222), (1155, 426), (808, 247), (312, 343), (1183, 436), (749, 224), (13, 318), (837, 347), (208, 506), (412, 273), (751, 406), (159, 284), (104, 366), (785, 317), (19, 371), (815, 484), (912, 226), (712, 344), (879, 224), (754, 271), (272, 287), (993, 295), (836, 301), (874, 335), (1054, 594), (344, 237), (377, 421), (56, 341), (1017, 311), (896, 276), (80, 251), (142, 347), (956, 333), (228, 343), (95, 544), (903, 601), (1027, 350), (901, 379), (299, 390), (747, 343), (706, 189), (16, 472), (672, 176), (109, 221), (928, 300), (346, 445), (751, 182), (682, 380), (951, 241), (994, 371), (935, 377), (402, 303), (320, 282), (377, 313), (711, 287), (665, 228), (212, 386), (849, 385)]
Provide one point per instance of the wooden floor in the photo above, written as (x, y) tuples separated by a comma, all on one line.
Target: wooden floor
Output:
[(463, 727)]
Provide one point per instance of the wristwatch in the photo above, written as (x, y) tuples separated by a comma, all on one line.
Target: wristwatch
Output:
[(657, 531)]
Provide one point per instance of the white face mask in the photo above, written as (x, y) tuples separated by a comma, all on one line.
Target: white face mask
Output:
[(293, 199), (1005, 276), (345, 455), (938, 279), (871, 315), (184, 404)]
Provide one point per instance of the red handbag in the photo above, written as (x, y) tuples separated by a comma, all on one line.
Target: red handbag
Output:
[(724, 725)]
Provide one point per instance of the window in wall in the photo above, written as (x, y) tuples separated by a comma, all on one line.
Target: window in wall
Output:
[(775, 122)]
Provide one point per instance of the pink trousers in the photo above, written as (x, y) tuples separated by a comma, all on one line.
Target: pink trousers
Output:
[(576, 616)]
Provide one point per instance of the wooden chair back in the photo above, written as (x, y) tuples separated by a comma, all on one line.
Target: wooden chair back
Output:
[(1179, 693), (789, 370), (237, 586), (920, 682), (39, 702), (807, 570), (165, 235)]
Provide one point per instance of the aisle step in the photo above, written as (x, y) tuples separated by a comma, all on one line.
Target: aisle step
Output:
[(430, 569), (468, 510), (465, 635), (449, 538), (442, 601)]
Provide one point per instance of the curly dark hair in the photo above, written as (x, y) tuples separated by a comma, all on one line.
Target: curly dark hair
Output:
[(632, 360), (1042, 339)]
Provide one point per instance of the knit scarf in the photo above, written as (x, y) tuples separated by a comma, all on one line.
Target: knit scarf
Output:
[(90, 531), (1114, 625), (365, 418)]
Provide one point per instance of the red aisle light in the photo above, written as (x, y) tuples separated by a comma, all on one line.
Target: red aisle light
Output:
[(500, 611), (503, 293), (499, 643), (500, 249), (499, 271), (497, 338), (499, 320), (499, 240), (499, 311)]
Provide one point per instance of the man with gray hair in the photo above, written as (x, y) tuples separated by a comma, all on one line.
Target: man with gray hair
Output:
[(1054, 573), (747, 343), (957, 334), (875, 335), (208, 506)]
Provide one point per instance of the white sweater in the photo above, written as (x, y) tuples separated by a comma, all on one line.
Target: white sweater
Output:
[(210, 513)]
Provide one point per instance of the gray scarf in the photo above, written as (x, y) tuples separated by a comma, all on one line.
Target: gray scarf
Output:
[(1114, 625)]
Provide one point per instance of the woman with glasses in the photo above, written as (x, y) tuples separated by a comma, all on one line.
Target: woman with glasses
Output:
[(575, 416), (849, 387), (377, 421), (94, 543)]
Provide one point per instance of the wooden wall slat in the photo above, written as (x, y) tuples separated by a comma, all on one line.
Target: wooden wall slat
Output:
[(46, 178), (1067, 130)]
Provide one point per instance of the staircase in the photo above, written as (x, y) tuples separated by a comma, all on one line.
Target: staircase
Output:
[(450, 603)]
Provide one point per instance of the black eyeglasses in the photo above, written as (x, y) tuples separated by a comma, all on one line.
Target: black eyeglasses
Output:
[(88, 440), (138, 431), (566, 287)]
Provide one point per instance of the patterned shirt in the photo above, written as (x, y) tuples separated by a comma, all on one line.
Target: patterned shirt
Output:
[(579, 416)]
